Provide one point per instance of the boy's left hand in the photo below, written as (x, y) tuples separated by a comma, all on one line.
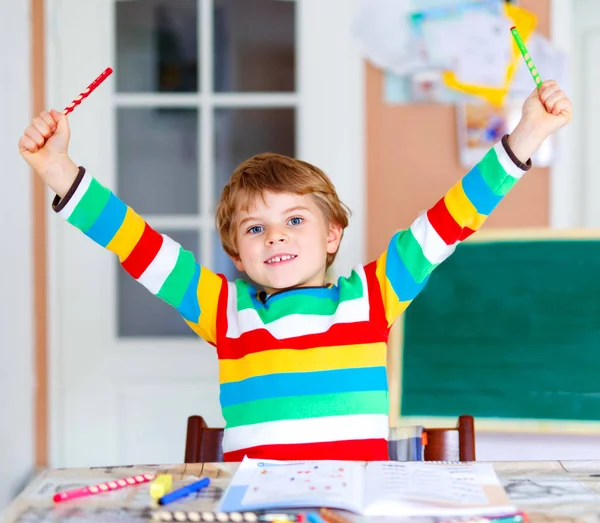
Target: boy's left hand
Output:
[(547, 109), (544, 112)]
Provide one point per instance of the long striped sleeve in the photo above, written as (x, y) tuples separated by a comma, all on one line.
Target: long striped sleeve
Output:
[(404, 268), (155, 260)]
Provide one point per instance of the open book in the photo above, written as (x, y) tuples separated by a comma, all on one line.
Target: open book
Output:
[(376, 488)]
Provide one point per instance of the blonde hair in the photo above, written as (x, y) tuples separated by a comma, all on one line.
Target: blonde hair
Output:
[(275, 173)]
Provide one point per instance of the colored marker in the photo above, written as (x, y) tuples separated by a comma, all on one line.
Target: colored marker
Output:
[(184, 491), (102, 487), (161, 485), (526, 56), (88, 90)]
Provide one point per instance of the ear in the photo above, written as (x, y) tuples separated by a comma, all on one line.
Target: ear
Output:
[(237, 261), (334, 237)]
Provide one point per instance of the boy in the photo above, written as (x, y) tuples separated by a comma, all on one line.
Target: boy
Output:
[(301, 363)]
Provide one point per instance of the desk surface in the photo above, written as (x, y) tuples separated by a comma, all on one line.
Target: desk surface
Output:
[(549, 491)]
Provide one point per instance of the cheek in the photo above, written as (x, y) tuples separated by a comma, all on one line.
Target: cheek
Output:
[(246, 247)]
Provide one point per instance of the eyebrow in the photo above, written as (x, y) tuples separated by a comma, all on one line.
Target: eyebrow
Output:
[(287, 211)]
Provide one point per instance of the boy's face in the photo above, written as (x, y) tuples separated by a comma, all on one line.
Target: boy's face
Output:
[(283, 240)]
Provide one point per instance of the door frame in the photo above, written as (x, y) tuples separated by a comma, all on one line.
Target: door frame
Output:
[(348, 115), (567, 200)]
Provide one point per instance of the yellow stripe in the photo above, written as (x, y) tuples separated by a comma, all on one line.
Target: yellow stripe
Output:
[(128, 235), (309, 360), (461, 208), (209, 289), (392, 307)]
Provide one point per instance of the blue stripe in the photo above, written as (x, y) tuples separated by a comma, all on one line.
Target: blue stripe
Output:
[(329, 293), (404, 285), (189, 307), (479, 193), (289, 384), (106, 226)]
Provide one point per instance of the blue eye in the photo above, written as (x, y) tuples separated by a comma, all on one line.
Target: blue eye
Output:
[(296, 220), (256, 229)]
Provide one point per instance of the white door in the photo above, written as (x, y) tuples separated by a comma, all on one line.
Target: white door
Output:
[(586, 75), (199, 85)]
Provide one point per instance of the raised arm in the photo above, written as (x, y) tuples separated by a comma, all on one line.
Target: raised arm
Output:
[(403, 269), (155, 260)]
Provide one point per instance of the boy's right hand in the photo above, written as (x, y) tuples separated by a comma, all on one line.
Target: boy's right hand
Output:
[(44, 147)]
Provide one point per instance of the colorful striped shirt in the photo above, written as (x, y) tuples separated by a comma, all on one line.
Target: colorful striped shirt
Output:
[(303, 372)]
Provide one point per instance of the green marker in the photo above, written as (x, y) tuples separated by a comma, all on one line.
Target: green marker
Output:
[(532, 69)]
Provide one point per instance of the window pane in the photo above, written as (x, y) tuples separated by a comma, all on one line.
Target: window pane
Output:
[(142, 314), (254, 45), (157, 160), (242, 133), (157, 46)]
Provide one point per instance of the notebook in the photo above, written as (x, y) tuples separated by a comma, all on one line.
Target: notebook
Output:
[(375, 488)]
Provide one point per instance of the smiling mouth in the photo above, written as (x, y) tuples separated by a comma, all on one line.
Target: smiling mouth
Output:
[(280, 259)]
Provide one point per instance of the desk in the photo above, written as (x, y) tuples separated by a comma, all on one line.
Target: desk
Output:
[(549, 491)]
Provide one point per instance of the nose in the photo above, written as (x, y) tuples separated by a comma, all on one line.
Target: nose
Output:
[(276, 236)]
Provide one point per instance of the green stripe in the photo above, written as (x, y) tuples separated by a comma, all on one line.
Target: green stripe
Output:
[(351, 288), (300, 407), (297, 303), (90, 206), (411, 252), (174, 287), (494, 175), (243, 295)]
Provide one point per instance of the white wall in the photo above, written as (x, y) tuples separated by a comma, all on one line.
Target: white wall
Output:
[(16, 370)]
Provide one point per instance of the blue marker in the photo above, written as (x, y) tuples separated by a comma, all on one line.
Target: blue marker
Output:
[(184, 491)]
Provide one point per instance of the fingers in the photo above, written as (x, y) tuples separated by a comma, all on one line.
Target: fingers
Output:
[(35, 136), (563, 106), (58, 116), (42, 127), (26, 144), (554, 99)]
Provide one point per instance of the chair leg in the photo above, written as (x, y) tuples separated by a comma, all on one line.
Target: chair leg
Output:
[(466, 437)]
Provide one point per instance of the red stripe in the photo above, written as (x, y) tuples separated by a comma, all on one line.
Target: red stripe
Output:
[(260, 340), (466, 232), (443, 222), (143, 253), (376, 307), (222, 316), (351, 450)]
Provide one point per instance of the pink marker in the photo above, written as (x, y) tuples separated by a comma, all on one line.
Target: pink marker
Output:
[(88, 90), (102, 487)]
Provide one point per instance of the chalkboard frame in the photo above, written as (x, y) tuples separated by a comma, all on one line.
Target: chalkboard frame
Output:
[(396, 348)]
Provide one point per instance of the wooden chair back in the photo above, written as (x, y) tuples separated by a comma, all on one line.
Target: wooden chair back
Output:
[(451, 444), (205, 445)]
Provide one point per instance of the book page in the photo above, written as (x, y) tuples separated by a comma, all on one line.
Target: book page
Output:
[(417, 488), (265, 484)]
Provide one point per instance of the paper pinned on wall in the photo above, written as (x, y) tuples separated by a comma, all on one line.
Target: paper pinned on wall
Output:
[(451, 36), (383, 30), (526, 22)]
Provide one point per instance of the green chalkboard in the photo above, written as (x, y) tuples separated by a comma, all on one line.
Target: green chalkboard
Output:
[(507, 329)]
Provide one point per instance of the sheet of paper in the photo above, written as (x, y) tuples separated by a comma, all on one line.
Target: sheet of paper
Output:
[(383, 31), (272, 484), (302, 481), (475, 45), (422, 482)]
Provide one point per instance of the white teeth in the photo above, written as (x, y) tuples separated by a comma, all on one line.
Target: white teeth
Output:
[(277, 259)]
